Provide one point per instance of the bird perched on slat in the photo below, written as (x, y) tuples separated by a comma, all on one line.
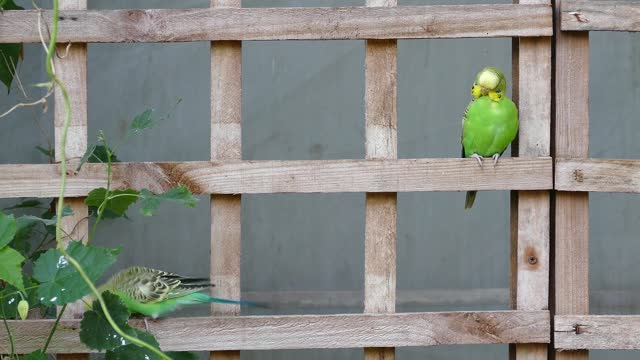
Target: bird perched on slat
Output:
[(156, 293), (490, 122)]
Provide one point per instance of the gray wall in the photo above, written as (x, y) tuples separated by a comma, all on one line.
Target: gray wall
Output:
[(304, 100)]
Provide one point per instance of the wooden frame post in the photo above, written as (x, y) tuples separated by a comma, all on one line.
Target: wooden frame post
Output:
[(226, 144), (72, 71), (530, 223), (571, 278), (381, 122)]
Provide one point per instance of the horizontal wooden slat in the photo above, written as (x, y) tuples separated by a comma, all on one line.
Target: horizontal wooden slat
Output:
[(589, 15), (309, 331), (209, 24), (303, 176), (598, 175), (576, 332)]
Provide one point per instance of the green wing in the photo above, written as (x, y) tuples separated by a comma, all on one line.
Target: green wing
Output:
[(148, 286)]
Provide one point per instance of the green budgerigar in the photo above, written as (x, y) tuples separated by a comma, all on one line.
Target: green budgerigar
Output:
[(490, 122), (156, 293)]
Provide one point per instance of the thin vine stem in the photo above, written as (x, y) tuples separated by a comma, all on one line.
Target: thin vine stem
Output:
[(53, 329), (63, 179), (4, 320)]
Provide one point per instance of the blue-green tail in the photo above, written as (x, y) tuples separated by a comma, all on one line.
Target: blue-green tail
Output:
[(201, 298), (471, 197)]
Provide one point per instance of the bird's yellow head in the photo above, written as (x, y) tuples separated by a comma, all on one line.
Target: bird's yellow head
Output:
[(491, 82)]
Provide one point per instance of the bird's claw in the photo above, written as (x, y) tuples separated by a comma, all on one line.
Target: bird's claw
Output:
[(478, 158), (146, 324), (495, 158)]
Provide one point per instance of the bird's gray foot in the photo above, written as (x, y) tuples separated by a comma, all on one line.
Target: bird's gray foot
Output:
[(479, 158), (495, 158)]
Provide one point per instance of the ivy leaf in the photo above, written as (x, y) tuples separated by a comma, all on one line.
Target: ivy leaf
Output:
[(182, 355), (7, 229), (66, 211), (141, 122), (95, 330), (9, 5), (31, 203), (131, 351), (87, 154), (9, 298), (60, 282), (47, 152), (180, 195), (24, 231), (36, 355), (11, 267), (100, 155), (9, 57), (118, 205)]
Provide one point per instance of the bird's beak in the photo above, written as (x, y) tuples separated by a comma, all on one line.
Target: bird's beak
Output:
[(485, 91)]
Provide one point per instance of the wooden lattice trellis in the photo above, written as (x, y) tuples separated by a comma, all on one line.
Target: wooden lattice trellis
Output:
[(381, 175)]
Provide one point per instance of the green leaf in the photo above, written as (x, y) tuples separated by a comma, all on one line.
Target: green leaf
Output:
[(87, 154), (9, 57), (100, 155), (47, 152), (9, 5), (95, 330), (66, 211), (182, 355), (141, 122), (9, 298), (31, 203), (60, 282), (7, 229), (11, 267), (36, 355), (24, 231), (119, 201), (131, 351), (180, 195)]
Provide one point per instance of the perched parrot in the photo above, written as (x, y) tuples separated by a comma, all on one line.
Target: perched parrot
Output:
[(490, 122), (155, 293)]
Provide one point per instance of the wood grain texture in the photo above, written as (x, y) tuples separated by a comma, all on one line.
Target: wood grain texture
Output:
[(590, 15), (71, 69), (226, 144), (598, 175), (303, 176), (530, 258), (310, 331), (614, 332), (303, 23), (381, 209), (571, 278)]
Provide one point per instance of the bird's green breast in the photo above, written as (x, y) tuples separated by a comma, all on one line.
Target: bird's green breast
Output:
[(489, 126)]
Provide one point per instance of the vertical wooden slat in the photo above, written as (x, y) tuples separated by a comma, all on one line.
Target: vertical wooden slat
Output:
[(531, 209), (71, 68), (571, 279), (381, 209), (226, 144)]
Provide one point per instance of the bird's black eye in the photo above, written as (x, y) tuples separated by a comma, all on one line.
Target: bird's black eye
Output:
[(498, 92)]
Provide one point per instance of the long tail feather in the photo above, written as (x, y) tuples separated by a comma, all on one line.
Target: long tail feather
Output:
[(200, 298), (471, 197)]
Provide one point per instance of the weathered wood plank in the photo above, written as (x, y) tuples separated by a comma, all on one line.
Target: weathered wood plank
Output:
[(598, 175), (310, 331), (254, 177), (571, 278), (381, 209), (531, 252), (71, 68), (615, 332), (304, 23), (226, 144), (590, 15)]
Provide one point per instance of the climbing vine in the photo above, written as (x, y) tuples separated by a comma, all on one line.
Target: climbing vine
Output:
[(39, 271)]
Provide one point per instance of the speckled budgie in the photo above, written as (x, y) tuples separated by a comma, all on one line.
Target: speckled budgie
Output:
[(490, 122), (155, 293)]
